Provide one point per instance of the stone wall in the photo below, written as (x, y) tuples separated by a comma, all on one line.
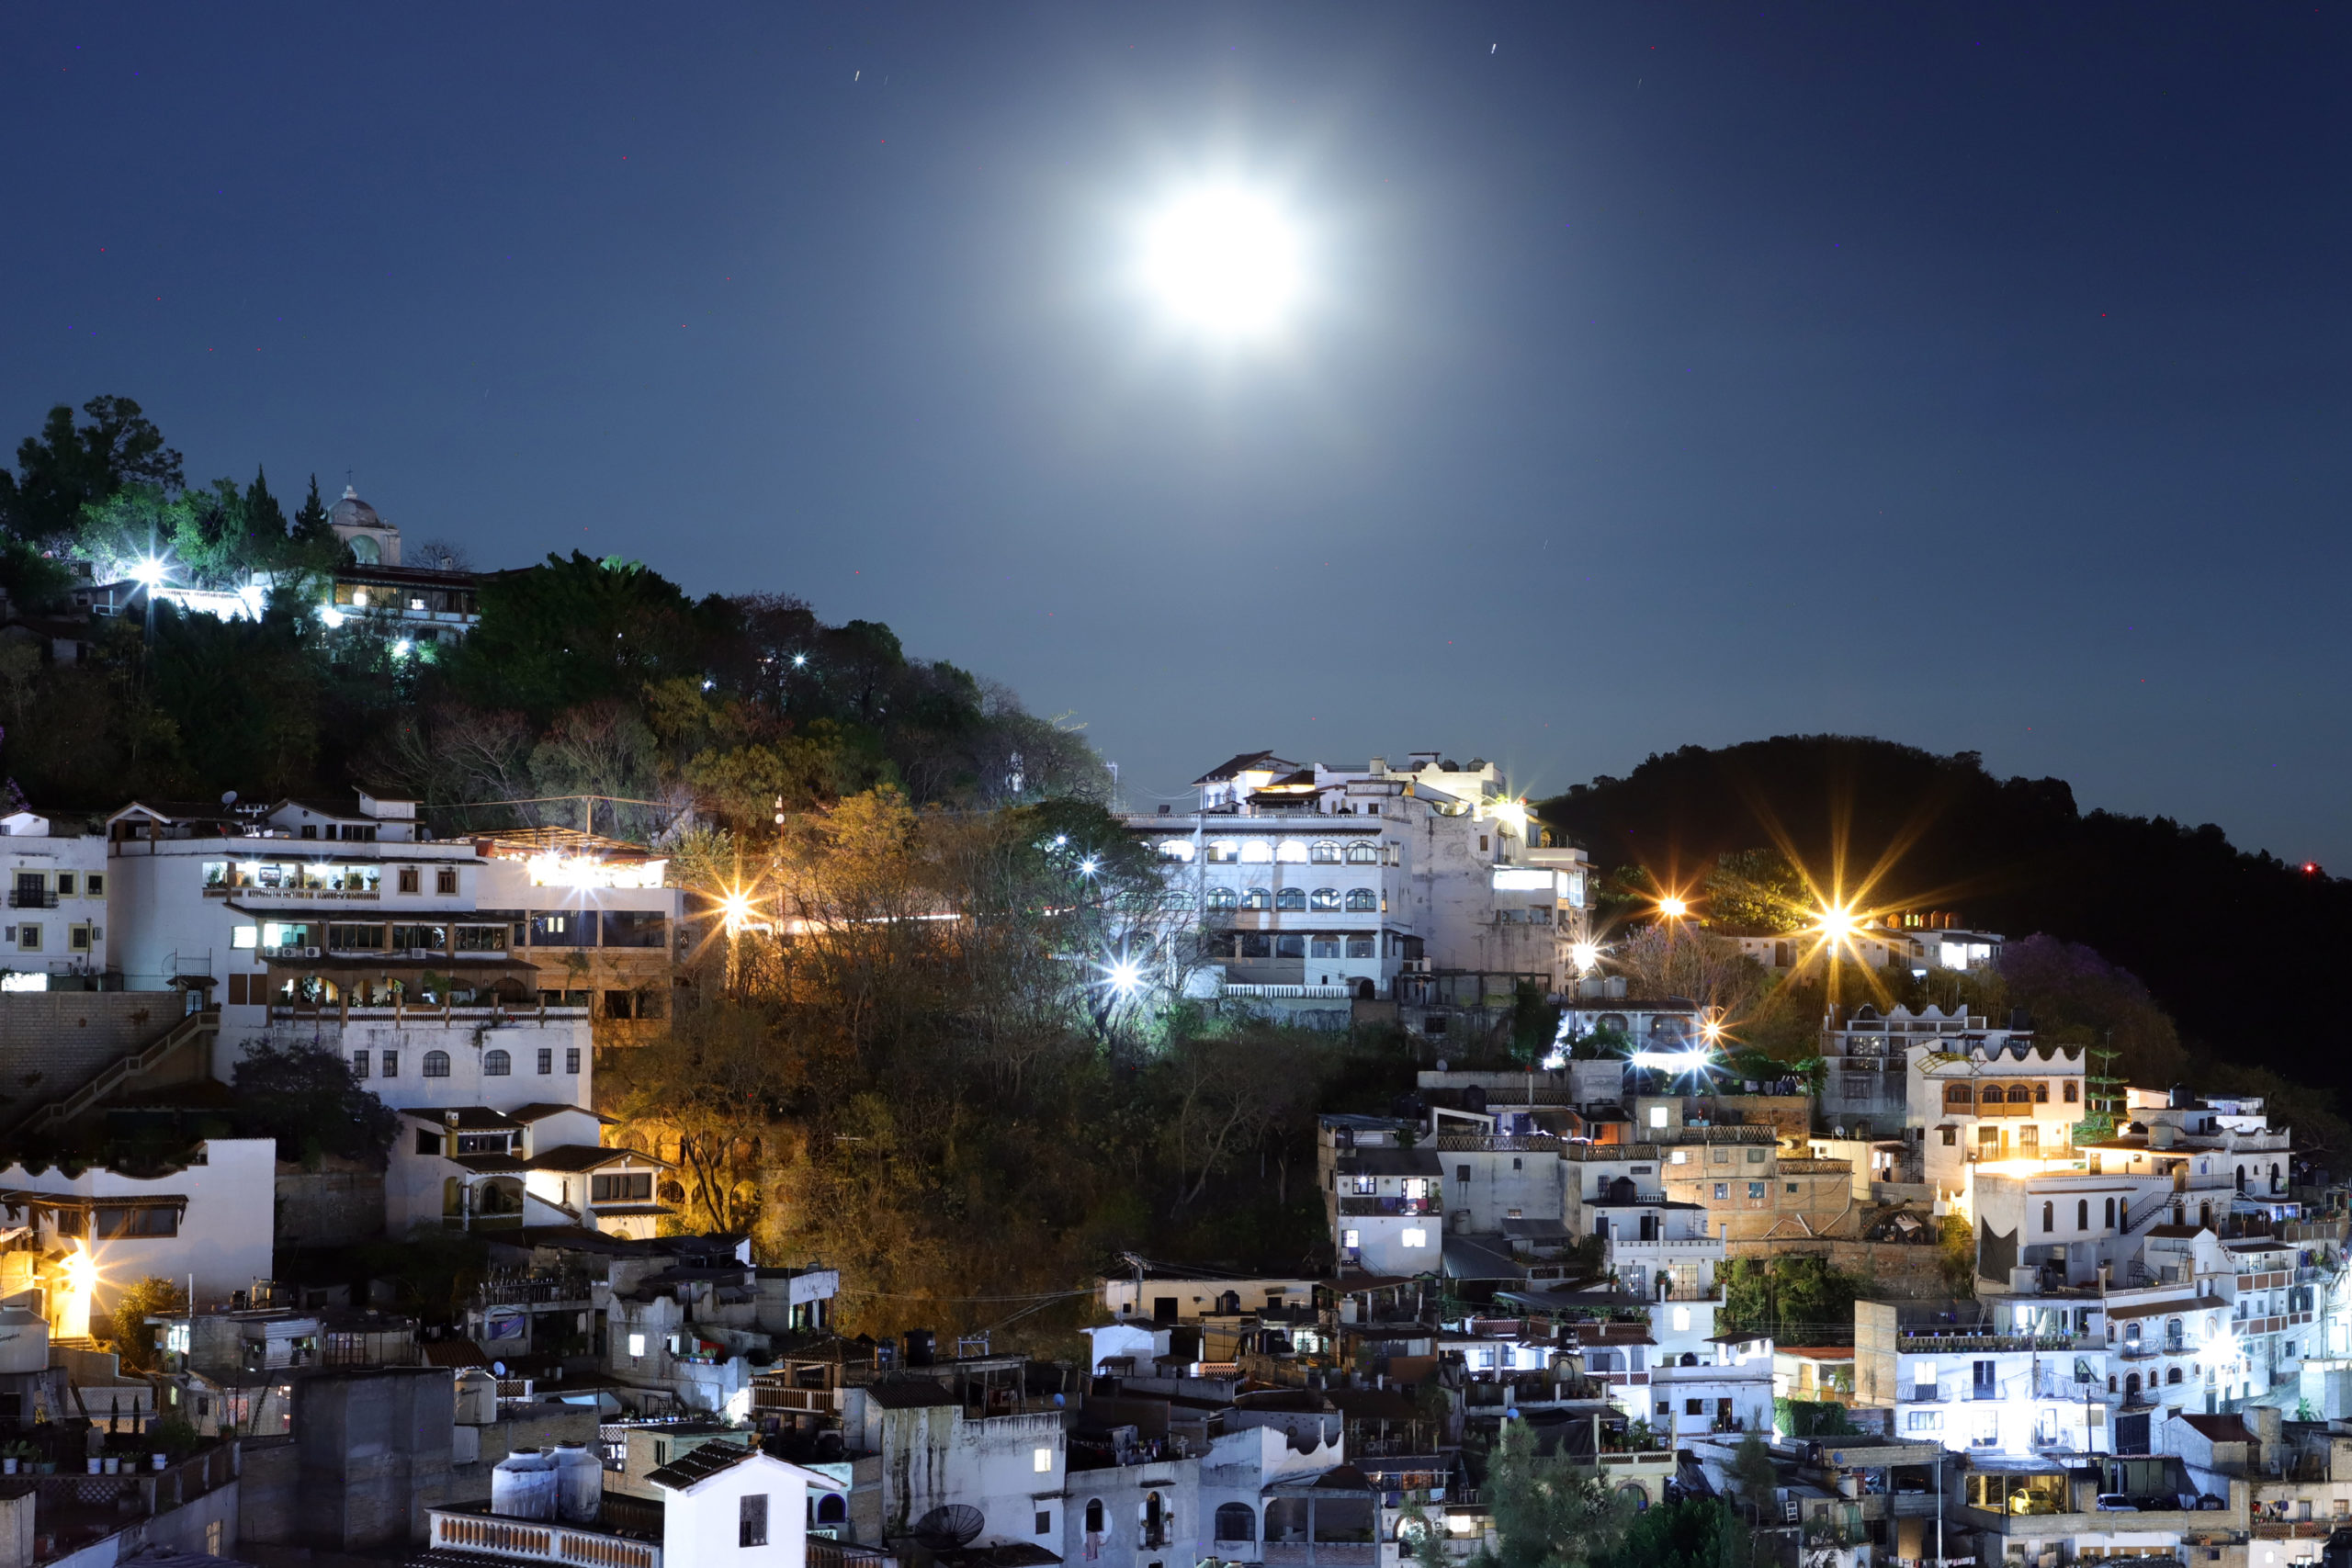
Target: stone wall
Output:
[(61, 1040), (328, 1208), (1896, 1270)]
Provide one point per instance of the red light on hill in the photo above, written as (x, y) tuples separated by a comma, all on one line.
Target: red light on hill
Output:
[(2311, 868)]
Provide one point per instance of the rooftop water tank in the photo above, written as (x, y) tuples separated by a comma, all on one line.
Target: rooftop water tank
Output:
[(580, 1484), (523, 1486), (23, 1340), (477, 1398)]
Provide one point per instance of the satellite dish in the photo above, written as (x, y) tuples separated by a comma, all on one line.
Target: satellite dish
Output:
[(229, 797), (498, 1369), (949, 1526)]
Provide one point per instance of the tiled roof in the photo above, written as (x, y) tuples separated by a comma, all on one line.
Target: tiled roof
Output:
[(699, 1464)]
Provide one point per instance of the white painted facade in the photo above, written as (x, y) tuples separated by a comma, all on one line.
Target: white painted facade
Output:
[(221, 1237), (57, 917)]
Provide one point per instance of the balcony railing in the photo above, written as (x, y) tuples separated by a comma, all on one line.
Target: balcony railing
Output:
[(30, 899), (1352, 1205)]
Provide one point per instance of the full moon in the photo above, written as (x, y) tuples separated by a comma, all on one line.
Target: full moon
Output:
[(1223, 261)]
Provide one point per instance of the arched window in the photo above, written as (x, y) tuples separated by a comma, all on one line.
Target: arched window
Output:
[(2131, 1335), (1292, 899), (1224, 851), (1237, 1522), (2020, 1094), (1094, 1516), (496, 1064), (1363, 901), (2049, 1218), (832, 1508), (1958, 1097), (1224, 899), (1286, 1520), (2111, 1213), (1257, 852), (2172, 1333), (1258, 898), (437, 1064), (2042, 1094), (2173, 1376), (1323, 853), (1176, 848), (2073, 1092), (1363, 854), (2081, 1213), (2132, 1386), (1324, 899)]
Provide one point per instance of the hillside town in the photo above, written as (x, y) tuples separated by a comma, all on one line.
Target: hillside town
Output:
[(2091, 1318)]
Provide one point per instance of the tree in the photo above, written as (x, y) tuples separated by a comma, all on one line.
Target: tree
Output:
[(304, 1097), (1753, 1470), (1546, 1513), (1694, 1532), (65, 468), (131, 1338), (1755, 893), (310, 524)]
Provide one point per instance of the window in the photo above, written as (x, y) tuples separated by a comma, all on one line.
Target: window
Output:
[(2040, 1094), (628, 1187), (65, 884), (1957, 1096), (2049, 1221), (1755, 1190), (1951, 1135), (391, 1064), (97, 884), (1325, 899), (1094, 1516), (571, 1058), (1176, 848), (1041, 1460), (421, 938), (1681, 1320), (245, 938), (356, 938), (1224, 851), (636, 928), (1359, 947), (1237, 1522), (482, 939), (1291, 853), (1044, 1522), (1722, 1191), (1363, 901), (1413, 1238), (1325, 853), (1258, 898), (1363, 854), (1257, 852), (1290, 947), (2073, 1092), (547, 1059), (1755, 1157), (559, 929), (2081, 1213), (359, 1063), (437, 1064), (1291, 900), (1323, 947), (496, 1064), (1792, 1188), (427, 1143), (445, 880), (408, 883), (77, 939), (142, 1222), (636, 1347), (28, 938)]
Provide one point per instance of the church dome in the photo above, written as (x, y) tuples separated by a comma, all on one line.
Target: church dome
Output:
[(353, 512)]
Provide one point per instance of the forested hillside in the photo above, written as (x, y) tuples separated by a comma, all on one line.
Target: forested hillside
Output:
[(2237, 946)]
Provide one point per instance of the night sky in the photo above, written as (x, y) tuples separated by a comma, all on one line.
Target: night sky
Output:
[(1972, 376)]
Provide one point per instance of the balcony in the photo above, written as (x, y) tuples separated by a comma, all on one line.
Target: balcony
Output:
[(30, 899), (1353, 1205)]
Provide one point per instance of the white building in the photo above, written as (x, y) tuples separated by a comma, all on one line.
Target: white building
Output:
[(55, 937), (1322, 885), (79, 1240)]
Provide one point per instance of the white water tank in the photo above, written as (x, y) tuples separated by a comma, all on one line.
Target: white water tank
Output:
[(523, 1486), (580, 1484), (23, 1340), (477, 1398)]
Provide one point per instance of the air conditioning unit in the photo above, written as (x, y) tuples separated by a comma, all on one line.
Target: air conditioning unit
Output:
[(271, 952), (310, 953)]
